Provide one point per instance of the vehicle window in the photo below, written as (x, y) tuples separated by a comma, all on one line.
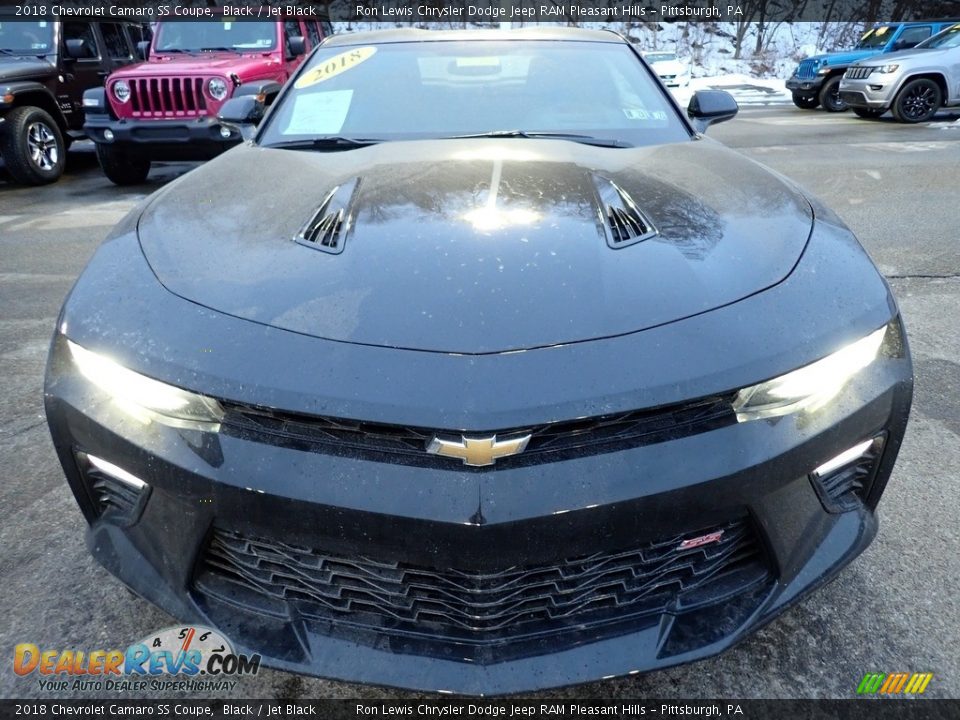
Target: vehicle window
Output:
[(393, 92), (291, 28), (139, 33), (22, 38), (314, 32), (82, 31), (114, 40), (876, 38), (660, 57), (225, 35), (913, 35), (949, 38), (326, 27)]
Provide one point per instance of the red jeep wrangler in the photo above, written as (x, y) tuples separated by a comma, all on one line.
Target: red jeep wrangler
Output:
[(166, 108)]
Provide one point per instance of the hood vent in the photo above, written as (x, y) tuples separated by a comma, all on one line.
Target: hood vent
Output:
[(623, 222), (329, 226)]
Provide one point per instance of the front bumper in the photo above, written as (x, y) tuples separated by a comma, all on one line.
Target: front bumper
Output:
[(805, 86), (875, 92), (275, 512), (166, 139)]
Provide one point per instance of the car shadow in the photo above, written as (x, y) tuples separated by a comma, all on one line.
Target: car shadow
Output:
[(82, 162)]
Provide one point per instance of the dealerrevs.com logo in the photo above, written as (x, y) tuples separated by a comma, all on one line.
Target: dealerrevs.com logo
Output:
[(189, 658)]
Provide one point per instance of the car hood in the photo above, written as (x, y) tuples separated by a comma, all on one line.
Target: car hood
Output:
[(25, 68), (843, 58), (669, 67), (199, 63), (893, 57), (473, 246)]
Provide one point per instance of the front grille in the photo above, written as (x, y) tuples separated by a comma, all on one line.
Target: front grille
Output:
[(858, 73), (853, 98), (806, 69), (549, 442), (475, 608), (168, 97)]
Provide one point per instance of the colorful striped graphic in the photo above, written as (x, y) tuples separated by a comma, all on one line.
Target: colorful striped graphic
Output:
[(894, 683)]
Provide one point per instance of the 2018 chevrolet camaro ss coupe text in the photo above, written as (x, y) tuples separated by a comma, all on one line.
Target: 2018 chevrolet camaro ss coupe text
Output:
[(479, 369)]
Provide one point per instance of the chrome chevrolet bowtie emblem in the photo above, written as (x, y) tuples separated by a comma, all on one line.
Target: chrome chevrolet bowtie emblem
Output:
[(478, 451)]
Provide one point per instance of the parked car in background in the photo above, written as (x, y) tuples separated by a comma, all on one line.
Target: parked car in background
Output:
[(913, 84), (166, 108), (673, 71), (45, 67), (816, 80)]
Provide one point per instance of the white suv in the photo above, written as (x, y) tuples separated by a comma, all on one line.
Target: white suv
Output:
[(914, 84)]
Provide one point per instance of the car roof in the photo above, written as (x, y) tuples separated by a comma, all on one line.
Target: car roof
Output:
[(413, 35)]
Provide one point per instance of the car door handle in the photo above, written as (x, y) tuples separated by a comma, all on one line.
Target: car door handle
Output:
[(102, 73)]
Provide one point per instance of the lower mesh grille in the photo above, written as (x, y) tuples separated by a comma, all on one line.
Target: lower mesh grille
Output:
[(472, 607)]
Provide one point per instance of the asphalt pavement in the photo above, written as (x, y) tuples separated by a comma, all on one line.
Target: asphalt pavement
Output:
[(894, 609)]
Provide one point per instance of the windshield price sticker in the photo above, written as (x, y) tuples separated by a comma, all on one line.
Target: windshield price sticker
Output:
[(334, 66)]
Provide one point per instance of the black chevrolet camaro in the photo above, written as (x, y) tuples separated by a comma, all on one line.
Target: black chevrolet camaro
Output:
[(479, 369)]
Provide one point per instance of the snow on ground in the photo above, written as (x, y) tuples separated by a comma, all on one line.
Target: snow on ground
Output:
[(746, 90)]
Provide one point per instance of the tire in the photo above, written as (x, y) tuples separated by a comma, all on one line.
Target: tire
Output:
[(32, 146), (867, 113), (120, 167), (805, 102), (918, 101), (830, 95)]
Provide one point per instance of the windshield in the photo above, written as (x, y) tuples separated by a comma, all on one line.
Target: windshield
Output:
[(949, 38), (427, 90), (226, 35), (876, 38), (660, 57), (26, 38)]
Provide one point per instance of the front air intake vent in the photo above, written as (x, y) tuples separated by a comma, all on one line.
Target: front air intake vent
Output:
[(624, 224), (329, 226)]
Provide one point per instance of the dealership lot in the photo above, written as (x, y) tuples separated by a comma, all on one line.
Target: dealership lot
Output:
[(894, 609)]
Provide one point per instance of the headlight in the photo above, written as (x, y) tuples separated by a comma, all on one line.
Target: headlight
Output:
[(145, 398), (121, 90), (810, 387), (825, 70), (887, 68), (217, 88)]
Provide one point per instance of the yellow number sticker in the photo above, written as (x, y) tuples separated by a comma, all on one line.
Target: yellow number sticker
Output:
[(334, 66)]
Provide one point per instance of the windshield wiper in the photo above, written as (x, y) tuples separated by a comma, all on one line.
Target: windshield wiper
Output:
[(7, 51), (217, 49), (330, 142), (583, 139)]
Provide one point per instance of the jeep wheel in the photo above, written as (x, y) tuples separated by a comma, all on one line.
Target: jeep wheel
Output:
[(120, 167), (806, 102), (868, 113), (918, 101), (830, 95), (32, 146)]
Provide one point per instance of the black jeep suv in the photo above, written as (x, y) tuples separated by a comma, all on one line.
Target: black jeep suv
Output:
[(44, 68)]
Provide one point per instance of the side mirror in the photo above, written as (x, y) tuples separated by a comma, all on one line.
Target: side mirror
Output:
[(296, 46), (77, 48), (143, 49), (241, 114), (711, 106)]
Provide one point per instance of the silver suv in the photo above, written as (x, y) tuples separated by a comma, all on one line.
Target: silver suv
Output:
[(913, 84)]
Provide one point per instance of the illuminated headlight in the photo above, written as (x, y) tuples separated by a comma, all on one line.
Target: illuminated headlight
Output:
[(886, 69), (825, 70), (217, 89), (145, 398), (810, 387), (121, 90)]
